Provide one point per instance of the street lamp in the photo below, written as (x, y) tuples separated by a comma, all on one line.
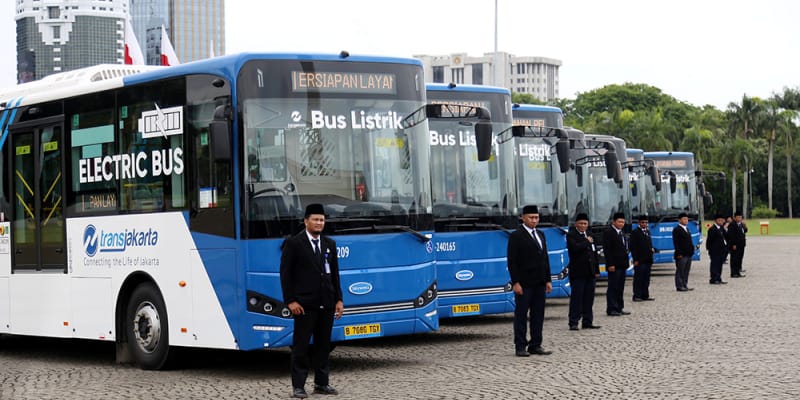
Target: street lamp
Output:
[(750, 182)]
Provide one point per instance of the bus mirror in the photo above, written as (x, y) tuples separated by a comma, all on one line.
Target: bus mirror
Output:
[(579, 176), (220, 140), (673, 184), (654, 176), (634, 189), (701, 189), (708, 199), (611, 164), (618, 173), (562, 152), (483, 140)]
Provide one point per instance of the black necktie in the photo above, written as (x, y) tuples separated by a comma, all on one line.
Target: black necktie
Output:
[(316, 246)]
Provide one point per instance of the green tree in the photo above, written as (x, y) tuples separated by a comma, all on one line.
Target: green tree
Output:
[(743, 119)]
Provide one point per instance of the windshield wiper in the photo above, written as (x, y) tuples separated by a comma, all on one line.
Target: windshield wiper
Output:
[(377, 228)]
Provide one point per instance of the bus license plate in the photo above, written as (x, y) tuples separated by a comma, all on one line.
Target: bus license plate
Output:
[(466, 309), (362, 331)]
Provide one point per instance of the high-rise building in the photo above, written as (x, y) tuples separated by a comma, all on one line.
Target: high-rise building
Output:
[(195, 27), (537, 76), (58, 35)]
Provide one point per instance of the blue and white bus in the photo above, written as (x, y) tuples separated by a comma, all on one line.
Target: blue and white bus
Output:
[(645, 182), (678, 194), (470, 220), (148, 209), (602, 186), (539, 180)]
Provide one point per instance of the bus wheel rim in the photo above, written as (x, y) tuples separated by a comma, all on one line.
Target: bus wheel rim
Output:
[(147, 326)]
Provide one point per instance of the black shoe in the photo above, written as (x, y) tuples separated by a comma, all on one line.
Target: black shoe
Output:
[(327, 389), (299, 393), (522, 353), (623, 312), (638, 299), (683, 289), (742, 270), (573, 327), (591, 327), (737, 276), (540, 351), (614, 314), (690, 288), (650, 299)]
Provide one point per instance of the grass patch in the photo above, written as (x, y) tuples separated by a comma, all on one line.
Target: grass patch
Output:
[(777, 227)]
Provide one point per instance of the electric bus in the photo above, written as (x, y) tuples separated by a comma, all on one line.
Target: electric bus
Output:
[(148, 208), (679, 194), (539, 180), (471, 224), (601, 187)]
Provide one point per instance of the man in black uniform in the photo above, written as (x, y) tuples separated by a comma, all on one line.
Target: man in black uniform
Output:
[(717, 246), (311, 290), (529, 267), (615, 248), (583, 273), (642, 253), (737, 239), (684, 251)]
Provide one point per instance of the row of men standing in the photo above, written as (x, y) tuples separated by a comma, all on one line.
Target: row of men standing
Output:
[(529, 267)]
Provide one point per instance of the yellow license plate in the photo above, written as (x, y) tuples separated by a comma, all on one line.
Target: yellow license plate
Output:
[(362, 331), (460, 309)]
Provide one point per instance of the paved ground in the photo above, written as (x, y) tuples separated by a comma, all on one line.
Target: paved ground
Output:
[(735, 341)]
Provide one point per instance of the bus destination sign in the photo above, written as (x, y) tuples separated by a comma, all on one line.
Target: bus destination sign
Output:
[(344, 82)]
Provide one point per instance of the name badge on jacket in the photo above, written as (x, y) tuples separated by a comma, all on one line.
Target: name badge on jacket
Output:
[(327, 265)]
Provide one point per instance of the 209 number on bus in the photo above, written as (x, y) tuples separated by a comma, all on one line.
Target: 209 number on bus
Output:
[(343, 251)]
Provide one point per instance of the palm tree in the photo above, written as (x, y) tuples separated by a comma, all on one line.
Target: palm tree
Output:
[(775, 120), (790, 100), (743, 119)]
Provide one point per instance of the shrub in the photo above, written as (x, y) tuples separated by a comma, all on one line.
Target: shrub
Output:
[(764, 212)]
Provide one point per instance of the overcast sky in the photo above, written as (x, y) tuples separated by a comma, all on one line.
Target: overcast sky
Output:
[(699, 51)]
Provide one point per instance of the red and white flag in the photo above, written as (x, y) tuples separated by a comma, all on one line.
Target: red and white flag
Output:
[(133, 53), (168, 56)]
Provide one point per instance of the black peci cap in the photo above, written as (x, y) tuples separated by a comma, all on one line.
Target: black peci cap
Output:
[(682, 215), (530, 210), (618, 216), (314, 208), (581, 217)]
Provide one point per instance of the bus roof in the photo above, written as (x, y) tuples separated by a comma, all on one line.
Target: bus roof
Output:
[(535, 107), (108, 76), (443, 87), (666, 154)]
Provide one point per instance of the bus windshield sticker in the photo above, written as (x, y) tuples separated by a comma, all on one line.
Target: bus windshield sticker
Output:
[(161, 122)]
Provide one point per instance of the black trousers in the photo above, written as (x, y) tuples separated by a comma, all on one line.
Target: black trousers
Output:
[(736, 261), (581, 300), (530, 302), (616, 288), (715, 266), (641, 281), (317, 323)]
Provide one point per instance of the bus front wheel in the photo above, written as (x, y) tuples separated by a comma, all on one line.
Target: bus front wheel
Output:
[(147, 327)]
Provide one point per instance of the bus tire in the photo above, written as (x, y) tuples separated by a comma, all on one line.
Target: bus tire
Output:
[(147, 327)]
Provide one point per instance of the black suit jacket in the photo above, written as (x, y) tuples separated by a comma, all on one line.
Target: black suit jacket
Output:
[(614, 249), (682, 242), (582, 259), (715, 242), (303, 277), (736, 235), (527, 263), (641, 247)]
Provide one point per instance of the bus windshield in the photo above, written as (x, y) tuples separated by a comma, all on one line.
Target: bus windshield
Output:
[(349, 154), (462, 186), (540, 182), (683, 200)]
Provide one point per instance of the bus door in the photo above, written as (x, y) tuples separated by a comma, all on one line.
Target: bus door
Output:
[(38, 226)]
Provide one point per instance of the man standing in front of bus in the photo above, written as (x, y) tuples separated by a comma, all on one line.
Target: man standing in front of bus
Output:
[(615, 248), (642, 253), (717, 246), (529, 267), (311, 290), (583, 273), (684, 251), (737, 239)]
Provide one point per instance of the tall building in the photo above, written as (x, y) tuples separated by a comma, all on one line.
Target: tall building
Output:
[(195, 27), (532, 75), (63, 35)]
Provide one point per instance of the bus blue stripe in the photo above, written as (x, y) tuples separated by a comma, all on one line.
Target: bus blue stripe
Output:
[(3, 124)]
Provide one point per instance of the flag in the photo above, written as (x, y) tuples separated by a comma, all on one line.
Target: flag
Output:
[(133, 53), (168, 56)]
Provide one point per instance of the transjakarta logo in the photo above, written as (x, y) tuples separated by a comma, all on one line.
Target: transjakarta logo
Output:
[(535, 152), (464, 275), (116, 241), (360, 288), (357, 120)]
